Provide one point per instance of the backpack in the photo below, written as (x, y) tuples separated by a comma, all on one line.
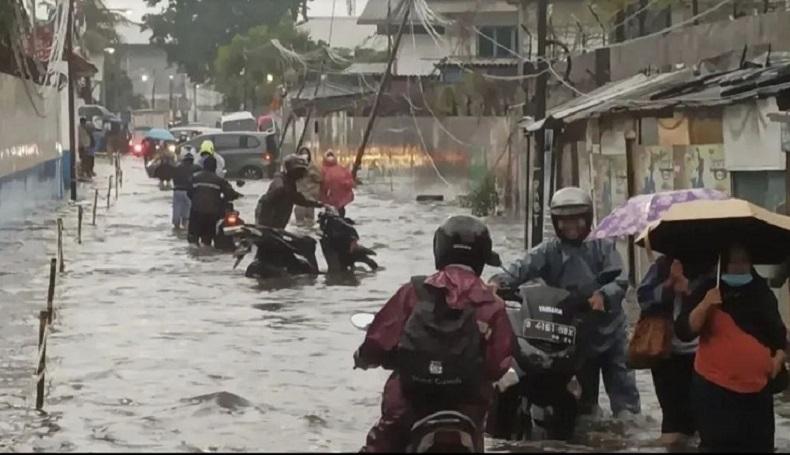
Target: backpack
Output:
[(440, 353)]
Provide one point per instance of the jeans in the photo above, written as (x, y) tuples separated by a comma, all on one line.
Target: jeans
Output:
[(618, 380), (181, 207)]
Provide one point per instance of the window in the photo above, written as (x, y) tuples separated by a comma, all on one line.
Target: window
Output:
[(249, 142), (506, 39), (227, 142), (764, 188)]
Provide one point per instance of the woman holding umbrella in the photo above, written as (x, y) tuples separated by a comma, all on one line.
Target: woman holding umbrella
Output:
[(742, 340), (742, 343)]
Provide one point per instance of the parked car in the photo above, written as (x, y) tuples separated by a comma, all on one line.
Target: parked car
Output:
[(249, 155), (239, 121)]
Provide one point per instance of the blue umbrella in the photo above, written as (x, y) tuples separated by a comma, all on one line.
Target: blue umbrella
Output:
[(160, 134)]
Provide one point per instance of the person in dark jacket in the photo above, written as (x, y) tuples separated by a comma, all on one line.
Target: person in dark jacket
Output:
[(661, 292), (740, 358), (462, 247), (276, 206), (182, 184), (209, 194), (592, 270)]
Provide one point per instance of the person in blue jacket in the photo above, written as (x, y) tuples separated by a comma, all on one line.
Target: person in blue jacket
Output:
[(592, 270)]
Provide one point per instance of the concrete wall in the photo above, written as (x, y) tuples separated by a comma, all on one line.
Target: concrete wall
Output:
[(31, 150)]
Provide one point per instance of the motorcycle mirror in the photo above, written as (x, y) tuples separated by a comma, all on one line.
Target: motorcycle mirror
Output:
[(362, 320), (240, 183), (495, 260)]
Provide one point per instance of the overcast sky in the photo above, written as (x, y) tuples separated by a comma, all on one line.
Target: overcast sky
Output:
[(317, 7)]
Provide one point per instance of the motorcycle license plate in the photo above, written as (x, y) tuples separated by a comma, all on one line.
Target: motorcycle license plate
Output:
[(549, 331), (231, 230)]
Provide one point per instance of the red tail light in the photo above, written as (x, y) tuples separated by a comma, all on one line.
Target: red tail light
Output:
[(231, 219), (138, 148), (267, 157)]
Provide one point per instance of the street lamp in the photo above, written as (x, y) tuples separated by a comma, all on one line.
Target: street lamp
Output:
[(105, 73), (145, 78), (170, 96), (269, 78)]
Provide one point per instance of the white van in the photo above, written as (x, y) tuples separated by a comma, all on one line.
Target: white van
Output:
[(239, 121)]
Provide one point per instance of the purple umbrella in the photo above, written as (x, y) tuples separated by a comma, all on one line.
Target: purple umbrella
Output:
[(633, 216)]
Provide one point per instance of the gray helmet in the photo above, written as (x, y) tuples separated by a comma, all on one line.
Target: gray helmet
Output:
[(571, 201)]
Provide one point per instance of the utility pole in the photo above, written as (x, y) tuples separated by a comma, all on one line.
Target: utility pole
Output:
[(541, 87), (72, 123), (194, 100), (406, 6)]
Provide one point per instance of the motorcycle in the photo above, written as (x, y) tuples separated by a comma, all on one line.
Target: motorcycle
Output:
[(443, 431), (232, 218), (340, 243), (551, 326), (278, 252)]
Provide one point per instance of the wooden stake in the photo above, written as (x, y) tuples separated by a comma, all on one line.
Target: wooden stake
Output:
[(60, 246), (79, 224), (51, 293), (42, 364), (109, 193), (95, 203)]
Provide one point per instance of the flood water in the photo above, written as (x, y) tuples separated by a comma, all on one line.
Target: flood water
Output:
[(160, 346)]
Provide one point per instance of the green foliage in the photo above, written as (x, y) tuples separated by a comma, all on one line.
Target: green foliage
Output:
[(245, 62), (483, 199), (191, 31), (100, 25)]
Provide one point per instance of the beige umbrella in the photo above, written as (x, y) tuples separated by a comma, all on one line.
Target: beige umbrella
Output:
[(702, 229)]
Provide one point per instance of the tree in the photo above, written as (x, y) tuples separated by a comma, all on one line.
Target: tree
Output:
[(191, 31), (242, 67), (100, 24)]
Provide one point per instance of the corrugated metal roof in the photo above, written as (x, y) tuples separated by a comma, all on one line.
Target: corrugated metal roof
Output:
[(329, 89), (375, 12), (478, 61), (366, 68), (679, 89)]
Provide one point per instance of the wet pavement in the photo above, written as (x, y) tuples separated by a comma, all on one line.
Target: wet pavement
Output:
[(160, 346)]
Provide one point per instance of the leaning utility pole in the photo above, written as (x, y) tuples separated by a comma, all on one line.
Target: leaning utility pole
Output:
[(72, 124), (406, 4), (541, 88)]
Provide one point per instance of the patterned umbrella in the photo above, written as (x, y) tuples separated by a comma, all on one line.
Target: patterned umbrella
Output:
[(632, 217)]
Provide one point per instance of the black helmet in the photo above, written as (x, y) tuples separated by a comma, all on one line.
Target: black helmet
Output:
[(464, 240), (294, 164), (570, 202)]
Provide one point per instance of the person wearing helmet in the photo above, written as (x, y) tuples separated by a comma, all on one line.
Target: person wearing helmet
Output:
[(209, 195), (275, 207), (404, 334), (586, 268), (182, 184), (310, 186), (207, 150)]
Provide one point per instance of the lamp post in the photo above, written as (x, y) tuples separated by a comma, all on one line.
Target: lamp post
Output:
[(170, 97), (109, 51), (195, 101), (145, 78)]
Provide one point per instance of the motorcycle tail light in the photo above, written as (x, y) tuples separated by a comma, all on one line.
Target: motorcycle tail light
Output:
[(138, 148), (231, 219), (267, 157)]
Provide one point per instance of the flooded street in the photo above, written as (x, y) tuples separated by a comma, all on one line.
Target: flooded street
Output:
[(161, 346)]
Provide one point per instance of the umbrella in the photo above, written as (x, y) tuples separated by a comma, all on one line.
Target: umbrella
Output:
[(633, 216), (160, 134), (702, 229)]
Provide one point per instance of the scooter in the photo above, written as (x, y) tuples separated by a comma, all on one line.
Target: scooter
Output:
[(443, 431), (278, 252), (340, 243), (232, 218), (551, 326)]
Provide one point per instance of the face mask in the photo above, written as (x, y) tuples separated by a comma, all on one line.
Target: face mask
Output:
[(737, 279)]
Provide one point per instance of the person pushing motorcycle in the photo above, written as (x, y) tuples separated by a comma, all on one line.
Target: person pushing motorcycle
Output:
[(275, 207), (576, 264)]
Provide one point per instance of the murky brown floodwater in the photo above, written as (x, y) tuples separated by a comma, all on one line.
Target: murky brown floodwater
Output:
[(159, 346)]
